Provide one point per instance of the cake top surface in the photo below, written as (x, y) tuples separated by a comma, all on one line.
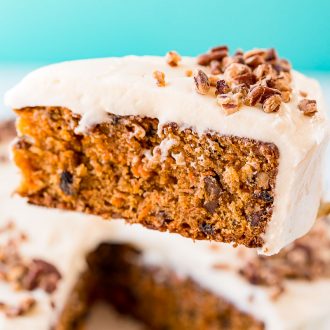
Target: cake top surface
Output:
[(175, 89), (267, 288)]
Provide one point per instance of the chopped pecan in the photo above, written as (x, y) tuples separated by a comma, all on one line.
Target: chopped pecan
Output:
[(255, 95), (172, 58), (215, 67), (254, 57), (230, 103), (272, 103), (160, 78), (271, 55), (213, 187), (239, 74), (222, 87), (308, 107), (280, 83), (204, 59), (259, 93), (241, 90), (218, 55), (264, 71), (202, 82), (41, 274), (286, 96), (213, 80), (218, 48)]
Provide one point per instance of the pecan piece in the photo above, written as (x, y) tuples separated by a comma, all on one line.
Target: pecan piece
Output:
[(230, 103), (254, 57), (259, 93), (160, 78), (271, 55), (215, 67), (308, 107), (202, 82), (222, 87), (255, 95), (218, 55), (286, 96), (239, 74), (280, 83), (264, 71), (213, 80), (218, 48), (172, 58), (204, 59), (272, 103)]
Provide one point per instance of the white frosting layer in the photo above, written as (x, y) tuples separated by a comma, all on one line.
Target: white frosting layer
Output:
[(125, 86), (64, 238)]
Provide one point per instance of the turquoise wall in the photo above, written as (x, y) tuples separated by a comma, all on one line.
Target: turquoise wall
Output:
[(55, 30)]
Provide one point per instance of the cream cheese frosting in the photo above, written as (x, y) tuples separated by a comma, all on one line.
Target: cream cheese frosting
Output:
[(64, 238), (125, 86)]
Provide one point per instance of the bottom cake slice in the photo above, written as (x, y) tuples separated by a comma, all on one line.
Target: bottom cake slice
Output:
[(54, 266)]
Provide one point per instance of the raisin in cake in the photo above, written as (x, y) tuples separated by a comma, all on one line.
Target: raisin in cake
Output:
[(227, 148)]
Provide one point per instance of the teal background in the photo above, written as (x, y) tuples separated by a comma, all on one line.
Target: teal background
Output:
[(43, 31)]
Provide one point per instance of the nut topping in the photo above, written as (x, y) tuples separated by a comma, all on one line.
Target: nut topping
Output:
[(256, 78), (160, 78), (173, 58), (230, 103), (308, 107), (239, 74), (222, 87), (202, 82), (272, 103)]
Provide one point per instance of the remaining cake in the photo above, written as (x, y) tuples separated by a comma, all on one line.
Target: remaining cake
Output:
[(50, 279), (231, 152)]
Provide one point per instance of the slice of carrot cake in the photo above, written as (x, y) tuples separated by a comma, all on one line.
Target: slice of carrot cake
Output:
[(55, 265), (220, 147)]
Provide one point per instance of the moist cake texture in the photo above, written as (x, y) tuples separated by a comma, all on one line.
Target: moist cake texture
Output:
[(40, 263), (228, 288), (232, 152), (204, 198)]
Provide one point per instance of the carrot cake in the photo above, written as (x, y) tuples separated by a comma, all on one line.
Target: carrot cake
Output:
[(219, 147), (49, 279)]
